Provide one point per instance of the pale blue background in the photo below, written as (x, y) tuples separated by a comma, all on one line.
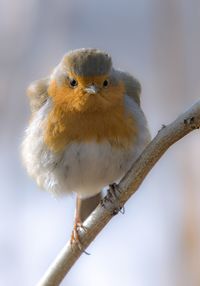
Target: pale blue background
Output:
[(157, 241)]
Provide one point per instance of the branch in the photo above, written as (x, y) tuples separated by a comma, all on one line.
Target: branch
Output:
[(166, 137)]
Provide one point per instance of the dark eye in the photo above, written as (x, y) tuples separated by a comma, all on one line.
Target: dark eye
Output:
[(73, 82), (105, 83)]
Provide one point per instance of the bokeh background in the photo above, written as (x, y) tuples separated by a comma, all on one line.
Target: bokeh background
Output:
[(157, 241)]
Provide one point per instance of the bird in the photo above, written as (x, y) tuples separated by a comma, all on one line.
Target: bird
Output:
[(86, 129)]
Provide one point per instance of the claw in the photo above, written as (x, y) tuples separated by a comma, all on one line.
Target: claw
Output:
[(75, 236), (75, 239), (78, 225), (112, 197), (113, 190), (191, 121)]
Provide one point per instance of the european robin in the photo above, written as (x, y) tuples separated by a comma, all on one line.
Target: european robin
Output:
[(87, 126)]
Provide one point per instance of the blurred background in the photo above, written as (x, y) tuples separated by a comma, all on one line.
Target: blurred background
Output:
[(157, 241)]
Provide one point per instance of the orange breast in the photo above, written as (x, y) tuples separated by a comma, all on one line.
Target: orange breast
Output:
[(97, 121)]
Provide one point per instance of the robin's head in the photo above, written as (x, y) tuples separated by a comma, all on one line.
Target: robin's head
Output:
[(85, 81)]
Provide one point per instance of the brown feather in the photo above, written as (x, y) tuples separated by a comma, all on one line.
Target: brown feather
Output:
[(37, 94)]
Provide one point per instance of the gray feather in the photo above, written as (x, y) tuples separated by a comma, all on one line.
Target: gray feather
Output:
[(132, 85), (87, 62)]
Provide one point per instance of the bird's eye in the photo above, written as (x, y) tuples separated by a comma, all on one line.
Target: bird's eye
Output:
[(105, 83), (73, 82)]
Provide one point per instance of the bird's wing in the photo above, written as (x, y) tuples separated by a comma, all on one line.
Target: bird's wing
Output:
[(132, 85), (37, 94)]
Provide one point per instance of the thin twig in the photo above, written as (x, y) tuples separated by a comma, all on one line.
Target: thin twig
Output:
[(166, 137)]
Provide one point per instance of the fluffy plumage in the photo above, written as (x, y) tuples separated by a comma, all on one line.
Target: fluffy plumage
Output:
[(80, 141)]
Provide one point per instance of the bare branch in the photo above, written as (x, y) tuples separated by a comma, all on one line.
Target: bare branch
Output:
[(166, 137)]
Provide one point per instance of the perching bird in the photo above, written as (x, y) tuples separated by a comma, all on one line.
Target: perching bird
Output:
[(87, 126)]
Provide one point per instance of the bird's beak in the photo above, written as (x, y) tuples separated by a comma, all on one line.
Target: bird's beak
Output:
[(92, 89)]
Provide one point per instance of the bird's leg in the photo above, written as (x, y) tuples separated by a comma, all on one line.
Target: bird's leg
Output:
[(78, 224), (112, 197)]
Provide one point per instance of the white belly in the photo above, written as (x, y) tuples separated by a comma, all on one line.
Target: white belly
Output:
[(88, 167), (84, 168)]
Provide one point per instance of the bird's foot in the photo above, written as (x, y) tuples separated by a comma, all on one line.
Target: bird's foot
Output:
[(112, 197), (191, 121), (75, 238)]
